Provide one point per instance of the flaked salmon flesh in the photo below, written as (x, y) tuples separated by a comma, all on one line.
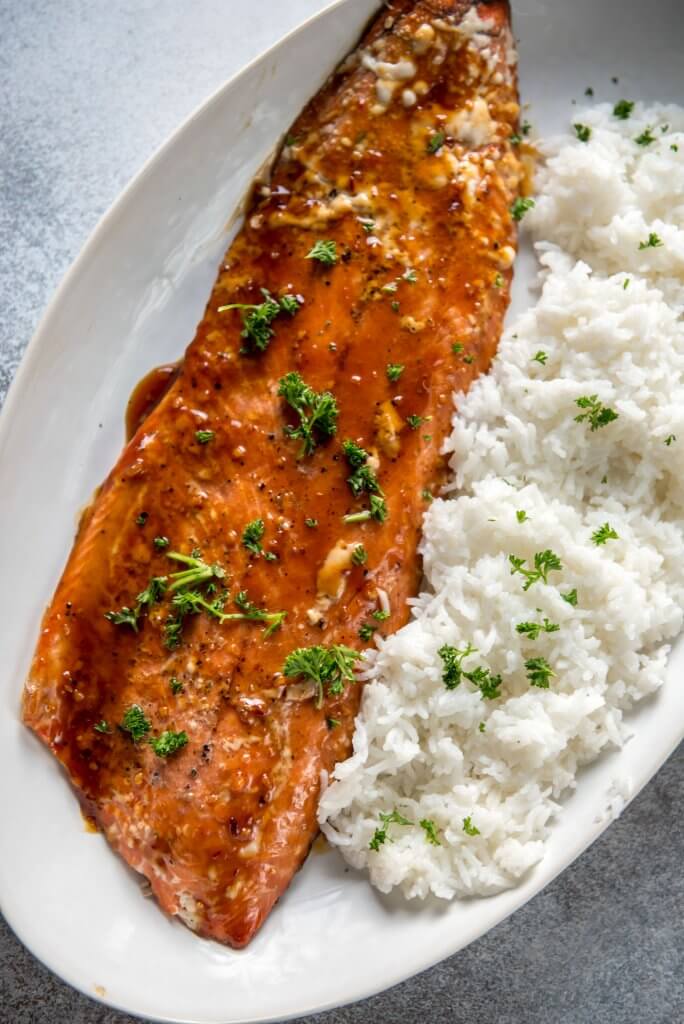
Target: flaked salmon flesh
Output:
[(195, 753)]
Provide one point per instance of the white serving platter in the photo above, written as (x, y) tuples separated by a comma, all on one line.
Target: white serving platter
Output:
[(131, 301)]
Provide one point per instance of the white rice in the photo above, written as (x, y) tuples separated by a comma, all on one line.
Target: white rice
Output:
[(418, 747)]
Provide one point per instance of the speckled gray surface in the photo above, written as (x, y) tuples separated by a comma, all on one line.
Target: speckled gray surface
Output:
[(89, 89)]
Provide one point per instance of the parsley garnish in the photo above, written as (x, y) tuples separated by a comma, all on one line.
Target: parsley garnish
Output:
[(176, 685), (135, 723), (571, 597), (652, 242), (669, 439), (520, 207), (521, 515), (161, 542), (257, 318), (646, 138), (153, 592), (332, 723), (414, 421), (544, 563), (583, 132), (409, 275), (540, 357), (539, 672), (363, 480), (380, 615), (380, 834), (468, 827), (141, 519), (588, 91), (435, 142), (532, 629), (452, 659), (169, 743), (622, 109), (366, 631), (124, 617), (325, 251), (427, 495), (430, 830), (377, 511), (457, 348), (394, 371), (311, 523), (102, 727), (359, 555), (597, 415), (603, 534), (328, 667), (469, 359), (317, 412), (252, 535), (482, 727), (204, 436)]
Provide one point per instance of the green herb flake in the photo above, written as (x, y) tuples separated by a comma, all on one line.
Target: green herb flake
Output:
[(332, 723), (625, 284), (544, 563), (571, 597), (317, 412), (468, 827), (257, 319), (457, 348), (324, 251), (427, 495), (380, 835), (311, 523), (252, 536), (380, 615), (430, 829), (204, 436), (363, 478), (328, 667), (435, 142), (169, 743), (674, 147), (482, 727), (652, 242), (622, 109), (176, 686), (646, 138), (521, 515), (394, 371), (583, 132), (589, 91), (366, 631), (540, 357), (539, 672), (102, 727), (135, 723), (469, 359), (604, 534), (161, 542), (409, 275), (532, 629), (520, 207), (141, 519), (669, 439), (415, 422), (359, 555), (596, 414)]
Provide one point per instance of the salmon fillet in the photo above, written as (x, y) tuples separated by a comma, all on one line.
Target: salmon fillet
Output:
[(286, 469)]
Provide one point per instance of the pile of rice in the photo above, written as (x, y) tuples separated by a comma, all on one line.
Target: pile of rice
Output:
[(608, 324)]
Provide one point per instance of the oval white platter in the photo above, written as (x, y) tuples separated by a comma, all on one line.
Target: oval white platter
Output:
[(131, 301)]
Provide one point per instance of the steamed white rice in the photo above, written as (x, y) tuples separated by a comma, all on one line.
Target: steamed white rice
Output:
[(609, 322)]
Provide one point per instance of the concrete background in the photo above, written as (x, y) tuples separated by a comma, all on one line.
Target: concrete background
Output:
[(88, 90)]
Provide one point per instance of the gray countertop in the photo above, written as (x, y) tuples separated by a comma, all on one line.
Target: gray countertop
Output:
[(90, 88)]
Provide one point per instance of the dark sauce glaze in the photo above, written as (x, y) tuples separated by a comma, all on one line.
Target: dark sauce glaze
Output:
[(147, 395)]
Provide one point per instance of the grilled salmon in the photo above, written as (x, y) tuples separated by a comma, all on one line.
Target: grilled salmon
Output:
[(195, 671)]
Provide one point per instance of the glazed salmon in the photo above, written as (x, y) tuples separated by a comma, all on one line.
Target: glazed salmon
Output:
[(195, 670)]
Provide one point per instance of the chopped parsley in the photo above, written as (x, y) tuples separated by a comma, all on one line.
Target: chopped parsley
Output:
[(141, 519), (169, 743), (435, 142), (583, 132), (317, 412), (325, 251), (204, 436), (366, 631), (359, 555), (469, 359), (367, 224), (332, 723), (521, 515), (468, 827), (588, 91), (544, 563), (652, 242), (674, 147), (596, 414), (380, 834), (571, 597), (622, 109), (604, 534), (646, 138), (457, 348), (153, 592), (532, 629), (311, 523), (427, 495), (430, 830), (414, 422), (377, 511), (520, 207), (409, 275), (669, 439), (161, 542), (135, 723), (482, 727), (390, 288), (452, 659), (257, 319), (539, 672), (124, 617), (252, 536), (102, 727), (394, 371), (176, 686), (328, 667), (380, 615), (540, 357), (363, 478)]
